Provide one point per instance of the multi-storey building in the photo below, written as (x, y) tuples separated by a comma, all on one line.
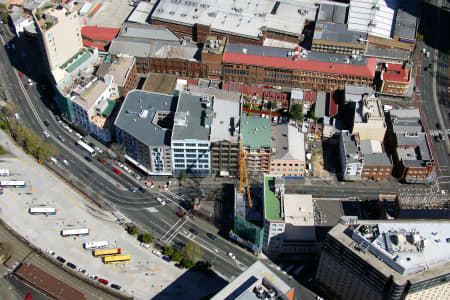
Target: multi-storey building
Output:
[(244, 21), (395, 79), (377, 260), (256, 141), (295, 67), (410, 147), (144, 126), (256, 282), (121, 73), (288, 151), (377, 165), (224, 130), (336, 38), (369, 120), (60, 32), (92, 105), (288, 220), (350, 156), (191, 145)]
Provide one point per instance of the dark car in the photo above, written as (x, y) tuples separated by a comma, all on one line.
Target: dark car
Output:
[(116, 286), (61, 259), (193, 231), (71, 265), (211, 236), (88, 158), (166, 258), (46, 122), (58, 118), (92, 145), (438, 126), (437, 138), (142, 190)]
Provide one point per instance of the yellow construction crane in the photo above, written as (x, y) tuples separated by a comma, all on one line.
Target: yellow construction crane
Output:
[(243, 169)]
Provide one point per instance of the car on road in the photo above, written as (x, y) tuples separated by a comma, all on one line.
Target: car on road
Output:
[(47, 123), (162, 202), (116, 286), (101, 160), (92, 276), (211, 236), (104, 281), (438, 126), (117, 171), (193, 231), (81, 270), (78, 135), (61, 138), (30, 81), (441, 136), (46, 134), (180, 214), (92, 145), (166, 258), (58, 118), (71, 265), (27, 87), (88, 158), (29, 296), (65, 162), (132, 189), (49, 252), (142, 190), (68, 128), (61, 259), (21, 74), (230, 254), (165, 187), (437, 139)]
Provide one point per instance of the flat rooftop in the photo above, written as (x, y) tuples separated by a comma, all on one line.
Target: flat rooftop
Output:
[(118, 69), (272, 205), (244, 18), (299, 209), (256, 132), (258, 274), (226, 116), (108, 14), (139, 113), (88, 96), (288, 142), (310, 61), (192, 118), (147, 31), (414, 251), (338, 33)]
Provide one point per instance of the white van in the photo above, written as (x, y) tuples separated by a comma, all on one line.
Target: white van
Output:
[(4, 172)]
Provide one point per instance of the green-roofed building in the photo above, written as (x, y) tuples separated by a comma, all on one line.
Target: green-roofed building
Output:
[(256, 138)]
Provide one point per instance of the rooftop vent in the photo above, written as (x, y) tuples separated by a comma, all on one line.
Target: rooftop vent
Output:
[(143, 114), (244, 50)]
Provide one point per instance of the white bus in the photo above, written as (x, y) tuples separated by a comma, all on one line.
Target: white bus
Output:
[(96, 245), (42, 211), (72, 232), (86, 147), (13, 183)]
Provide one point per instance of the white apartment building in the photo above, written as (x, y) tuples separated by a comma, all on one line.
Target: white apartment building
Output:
[(191, 145), (351, 160), (61, 32), (89, 104)]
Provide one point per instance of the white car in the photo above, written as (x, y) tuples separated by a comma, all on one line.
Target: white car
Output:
[(165, 187), (65, 162), (161, 201), (231, 255), (78, 135), (46, 134), (49, 252)]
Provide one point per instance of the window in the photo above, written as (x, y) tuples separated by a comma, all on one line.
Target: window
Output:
[(178, 144), (178, 150), (191, 145), (179, 155), (203, 145)]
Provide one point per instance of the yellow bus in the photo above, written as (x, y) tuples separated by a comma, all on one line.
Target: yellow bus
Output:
[(105, 252), (114, 259)]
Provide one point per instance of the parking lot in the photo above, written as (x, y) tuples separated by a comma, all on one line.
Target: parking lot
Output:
[(145, 276)]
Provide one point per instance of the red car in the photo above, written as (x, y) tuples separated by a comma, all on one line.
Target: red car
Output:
[(104, 281), (29, 296), (117, 171), (102, 160), (26, 86), (180, 214), (21, 74)]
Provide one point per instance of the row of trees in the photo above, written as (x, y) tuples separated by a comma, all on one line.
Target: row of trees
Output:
[(188, 257), (25, 136), (143, 237)]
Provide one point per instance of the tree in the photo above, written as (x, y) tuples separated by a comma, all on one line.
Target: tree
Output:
[(193, 251), (146, 238), (21, 134), (132, 229), (46, 150), (168, 251), (32, 143), (10, 109), (187, 263), (296, 112), (177, 256), (5, 251)]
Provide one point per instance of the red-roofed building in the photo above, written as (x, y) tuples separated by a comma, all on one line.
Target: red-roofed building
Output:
[(396, 79), (98, 37), (284, 67)]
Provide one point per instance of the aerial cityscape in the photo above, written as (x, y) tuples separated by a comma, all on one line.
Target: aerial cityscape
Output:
[(224, 149)]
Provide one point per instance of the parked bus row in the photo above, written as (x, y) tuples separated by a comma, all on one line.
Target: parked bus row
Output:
[(108, 255)]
